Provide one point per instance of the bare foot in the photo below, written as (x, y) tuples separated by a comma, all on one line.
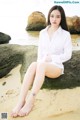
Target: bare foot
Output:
[(26, 109), (17, 109)]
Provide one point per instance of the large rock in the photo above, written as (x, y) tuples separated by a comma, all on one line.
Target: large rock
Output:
[(71, 76), (13, 55), (74, 24), (36, 21), (4, 38)]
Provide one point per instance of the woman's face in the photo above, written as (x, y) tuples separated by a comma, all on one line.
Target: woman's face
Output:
[(55, 18)]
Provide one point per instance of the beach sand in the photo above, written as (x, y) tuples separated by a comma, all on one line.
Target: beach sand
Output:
[(49, 105)]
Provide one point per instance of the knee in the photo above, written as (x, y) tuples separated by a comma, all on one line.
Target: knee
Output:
[(41, 65), (33, 64)]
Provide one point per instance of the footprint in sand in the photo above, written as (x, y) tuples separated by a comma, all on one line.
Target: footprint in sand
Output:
[(9, 92)]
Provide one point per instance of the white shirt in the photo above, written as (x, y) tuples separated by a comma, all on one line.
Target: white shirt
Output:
[(59, 47)]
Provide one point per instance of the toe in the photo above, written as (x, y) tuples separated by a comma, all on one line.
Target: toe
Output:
[(13, 114), (21, 114)]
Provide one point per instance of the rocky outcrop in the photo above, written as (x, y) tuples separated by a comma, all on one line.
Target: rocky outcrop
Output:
[(71, 77), (36, 21), (13, 55), (4, 38), (74, 24)]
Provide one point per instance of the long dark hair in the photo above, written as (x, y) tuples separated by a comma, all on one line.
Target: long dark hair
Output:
[(63, 22)]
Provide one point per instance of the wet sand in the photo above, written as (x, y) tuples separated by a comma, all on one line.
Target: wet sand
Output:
[(49, 105)]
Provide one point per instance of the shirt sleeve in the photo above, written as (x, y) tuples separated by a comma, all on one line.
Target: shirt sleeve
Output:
[(40, 55), (67, 51)]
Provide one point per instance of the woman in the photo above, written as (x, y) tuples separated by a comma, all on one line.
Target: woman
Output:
[(54, 49)]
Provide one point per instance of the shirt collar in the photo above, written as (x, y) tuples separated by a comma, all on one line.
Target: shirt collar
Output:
[(57, 31)]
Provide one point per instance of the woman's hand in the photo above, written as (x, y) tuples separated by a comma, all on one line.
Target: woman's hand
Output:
[(48, 58)]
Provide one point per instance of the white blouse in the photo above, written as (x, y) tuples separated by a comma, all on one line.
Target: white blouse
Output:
[(59, 47)]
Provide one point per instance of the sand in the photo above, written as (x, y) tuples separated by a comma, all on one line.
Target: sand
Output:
[(49, 105)]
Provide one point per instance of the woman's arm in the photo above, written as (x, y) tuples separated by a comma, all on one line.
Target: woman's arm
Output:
[(67, 53), (41, 55)]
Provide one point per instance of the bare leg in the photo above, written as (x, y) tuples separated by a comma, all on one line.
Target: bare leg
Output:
[(43, 69), (28, 79)]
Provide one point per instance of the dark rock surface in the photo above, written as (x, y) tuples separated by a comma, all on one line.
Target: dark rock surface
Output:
[(13, 55), (4, 38)]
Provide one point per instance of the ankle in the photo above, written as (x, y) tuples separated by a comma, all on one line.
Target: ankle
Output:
[(21, 101), (33, 94)]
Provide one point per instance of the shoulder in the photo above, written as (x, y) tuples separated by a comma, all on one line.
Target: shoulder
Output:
[(43, 30), (65, 32), (42, 35), (65, 35)]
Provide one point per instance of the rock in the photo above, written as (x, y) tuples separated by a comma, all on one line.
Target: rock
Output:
[(13, 55), (74, 24), (71, 76), (4, 38), (36, 21)]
